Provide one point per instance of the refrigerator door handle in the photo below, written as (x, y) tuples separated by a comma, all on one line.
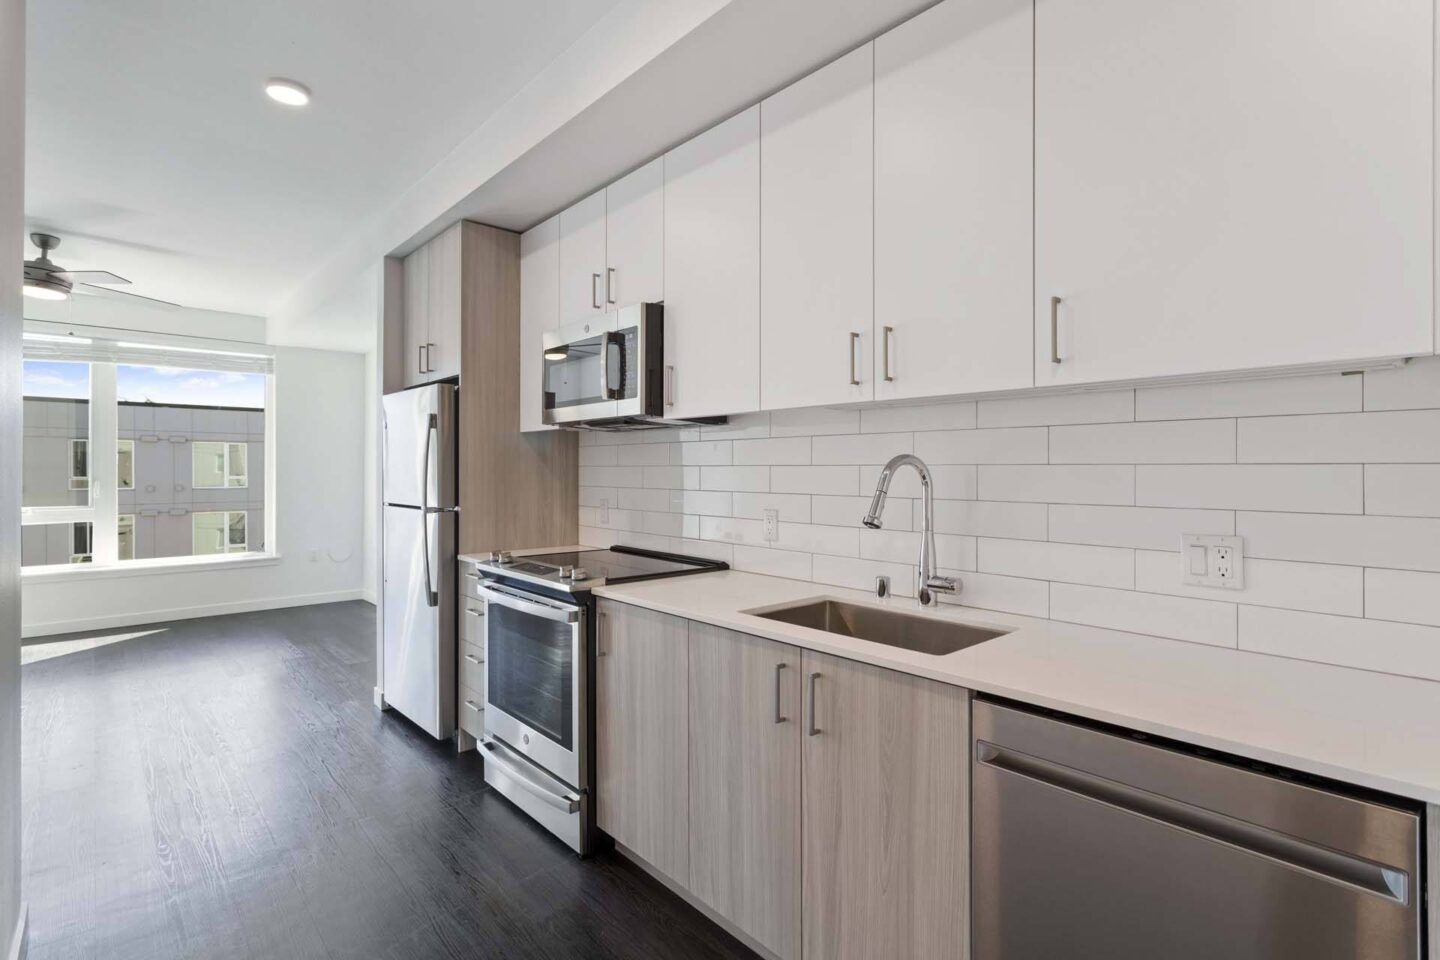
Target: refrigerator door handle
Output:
[(431, 596)]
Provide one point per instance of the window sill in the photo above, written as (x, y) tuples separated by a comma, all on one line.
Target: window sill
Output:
[(146, 568)]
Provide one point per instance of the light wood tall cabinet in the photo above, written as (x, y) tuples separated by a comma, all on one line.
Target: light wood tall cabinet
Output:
[(953, 214), (817, 237), (712, 270), (745, 806), (431, 309), (1231, 184), (641, 743), (886, 814), (539, 314)]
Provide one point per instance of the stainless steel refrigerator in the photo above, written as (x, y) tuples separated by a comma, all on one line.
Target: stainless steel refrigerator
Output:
[(421, 448)]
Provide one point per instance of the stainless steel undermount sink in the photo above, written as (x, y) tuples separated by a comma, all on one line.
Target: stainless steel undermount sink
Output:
[(882, 625)]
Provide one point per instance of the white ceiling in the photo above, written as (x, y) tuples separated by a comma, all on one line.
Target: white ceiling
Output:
[(153, 152)]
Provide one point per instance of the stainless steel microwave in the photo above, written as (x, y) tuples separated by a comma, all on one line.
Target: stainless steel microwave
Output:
[(608, 373)]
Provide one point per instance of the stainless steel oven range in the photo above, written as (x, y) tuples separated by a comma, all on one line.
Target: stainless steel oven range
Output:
[(539, 741)]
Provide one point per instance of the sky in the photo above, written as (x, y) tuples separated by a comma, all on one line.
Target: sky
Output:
[(216, 388)]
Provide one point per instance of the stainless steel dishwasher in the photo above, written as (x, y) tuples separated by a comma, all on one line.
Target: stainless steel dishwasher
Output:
[(1094, 844)]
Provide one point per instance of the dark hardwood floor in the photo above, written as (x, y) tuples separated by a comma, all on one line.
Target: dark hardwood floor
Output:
[(225, 788)]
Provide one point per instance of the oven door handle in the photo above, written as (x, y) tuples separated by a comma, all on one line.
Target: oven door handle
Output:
[(532, 606), (542, 787)]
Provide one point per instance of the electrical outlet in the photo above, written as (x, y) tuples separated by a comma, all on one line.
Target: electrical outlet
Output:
[(1212, 561), (772, 525), (604, 513)]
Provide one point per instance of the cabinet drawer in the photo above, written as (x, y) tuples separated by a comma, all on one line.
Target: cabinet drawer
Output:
[(472, 621), (472, 712), (469, 581), (472, 666)]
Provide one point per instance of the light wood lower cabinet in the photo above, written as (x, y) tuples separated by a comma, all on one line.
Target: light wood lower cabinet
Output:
[(886, 814), (745, 783), (641, 744)]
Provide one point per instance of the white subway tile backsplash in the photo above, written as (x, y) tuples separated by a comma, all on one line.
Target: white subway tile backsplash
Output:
[(873, 448), (934, 416), (783, 450), (1404, 543), (1065, 562), (1108, 484), (1074, 505), (1327, 393), (1179, 618), (1301, 488), (1164, 441), (1110, 406), (1406, 595), (1318, 587), (844, 481), (1401, 648), (1011, 445), (1403, 490), (1401, 436)]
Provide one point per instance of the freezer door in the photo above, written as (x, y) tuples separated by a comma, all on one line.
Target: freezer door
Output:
[(420, 446), (419, 673)]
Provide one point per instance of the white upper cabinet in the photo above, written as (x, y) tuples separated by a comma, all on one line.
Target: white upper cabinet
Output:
[(712, 270), (1231, 184), (582, 259), (817, 237), (539, 313), (634, 232), (953, 189)]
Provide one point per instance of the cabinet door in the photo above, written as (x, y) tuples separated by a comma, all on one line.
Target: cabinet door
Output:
[(1230, 184), (886, 813), (712, 270), (745, 783), (582, 259), (953, 192), (415, 275), (817, 236), (444, 269), (635, 237), (641, 740), (539, 313)]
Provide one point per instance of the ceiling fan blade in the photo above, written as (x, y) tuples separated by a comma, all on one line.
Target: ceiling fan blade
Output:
[(121, 295), (92, 276)]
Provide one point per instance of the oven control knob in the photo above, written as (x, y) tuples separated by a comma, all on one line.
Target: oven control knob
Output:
[(503, 556), (579, 573), (565, 572)]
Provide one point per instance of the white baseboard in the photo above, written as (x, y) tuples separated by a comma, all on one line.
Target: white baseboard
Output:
[(21, 938), (30, 630), (370, 597)]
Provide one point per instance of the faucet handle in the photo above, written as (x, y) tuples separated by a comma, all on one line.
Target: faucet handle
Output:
[(935, 585)]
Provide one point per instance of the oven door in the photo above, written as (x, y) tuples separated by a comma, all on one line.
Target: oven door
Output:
[(535, 678), (603, 368)]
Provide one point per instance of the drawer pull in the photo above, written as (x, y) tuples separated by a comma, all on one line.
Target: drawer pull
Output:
[(472, 658), (471, 705), (473, 612)]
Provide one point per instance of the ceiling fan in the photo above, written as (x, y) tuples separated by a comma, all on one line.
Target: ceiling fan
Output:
[(44, 280)]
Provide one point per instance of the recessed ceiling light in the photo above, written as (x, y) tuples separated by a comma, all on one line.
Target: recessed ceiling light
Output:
[(288, 92)]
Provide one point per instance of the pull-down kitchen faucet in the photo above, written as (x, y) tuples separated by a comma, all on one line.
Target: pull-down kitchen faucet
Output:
[(929, 582)]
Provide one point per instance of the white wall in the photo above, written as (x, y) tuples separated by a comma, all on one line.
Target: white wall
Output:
[(12, 230), (1072, 507), (321, 416)]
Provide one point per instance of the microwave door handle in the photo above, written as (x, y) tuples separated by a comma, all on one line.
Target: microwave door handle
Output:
[(612, 341), (514, 601)]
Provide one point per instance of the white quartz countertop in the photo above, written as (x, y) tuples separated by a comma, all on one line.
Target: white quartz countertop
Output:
[(1364, 728)]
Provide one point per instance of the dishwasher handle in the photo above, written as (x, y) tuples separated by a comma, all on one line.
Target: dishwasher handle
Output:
[(1324, 863)]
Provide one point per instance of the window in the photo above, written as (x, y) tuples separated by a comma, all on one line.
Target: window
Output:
[(126, 536), (80, 542), (79, 464), (125, 465), (57, 425), (219, 531), (218, 466)]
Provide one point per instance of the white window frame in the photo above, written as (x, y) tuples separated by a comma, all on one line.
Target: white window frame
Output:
[(225, 545), (120, 447), (79, 481), (103, 350), (227, 474)]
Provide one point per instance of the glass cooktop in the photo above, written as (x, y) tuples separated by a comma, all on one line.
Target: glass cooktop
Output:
[(615, 565)]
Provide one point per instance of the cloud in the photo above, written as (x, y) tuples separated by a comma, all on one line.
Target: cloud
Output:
[(201, 383), (47, 380)]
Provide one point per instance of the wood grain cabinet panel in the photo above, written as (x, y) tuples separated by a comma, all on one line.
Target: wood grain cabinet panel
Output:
[(886, 814), (745, 783), (641, 740), (539, 314)]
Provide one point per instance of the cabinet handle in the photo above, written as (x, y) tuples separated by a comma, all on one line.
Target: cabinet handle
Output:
[(610, 285), (420, 359), (473, 659), (779, 717), (471, 705), (595, 290), (810, 722), (885, 345), (854, 342), (429, 356), (1054, 329), (472, 576), (670, 385), (602, 634), (473, 612)]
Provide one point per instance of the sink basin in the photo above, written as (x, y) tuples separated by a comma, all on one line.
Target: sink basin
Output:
[(880, 625)]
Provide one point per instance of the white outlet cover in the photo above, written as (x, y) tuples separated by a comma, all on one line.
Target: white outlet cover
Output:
[(772, 525), (1208, 560)]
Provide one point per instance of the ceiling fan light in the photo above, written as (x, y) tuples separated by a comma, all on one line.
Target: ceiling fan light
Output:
[(288, 92), (45, 290)]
